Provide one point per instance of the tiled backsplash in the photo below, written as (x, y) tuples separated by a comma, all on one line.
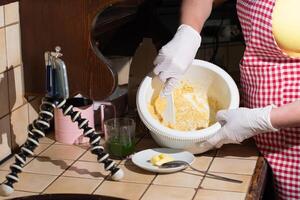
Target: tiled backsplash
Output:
[(15, 110)]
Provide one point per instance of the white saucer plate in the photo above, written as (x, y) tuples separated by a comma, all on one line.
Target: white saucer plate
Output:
[(142, 159)]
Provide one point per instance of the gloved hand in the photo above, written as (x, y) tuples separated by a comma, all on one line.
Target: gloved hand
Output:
[(239, 124), (174, 58)]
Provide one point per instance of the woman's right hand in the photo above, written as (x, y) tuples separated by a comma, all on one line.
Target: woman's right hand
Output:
[(175, 57)]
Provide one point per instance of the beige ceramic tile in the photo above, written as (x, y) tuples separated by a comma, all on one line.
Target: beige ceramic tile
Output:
[(67, 152), (3, 63), (216, 184), (238, 152), (13, 45), (84, 146), (201, 163), (190, 179), (47, 166), (11, 13), (146, 143), (33, 109), (41, 148), (16, 88), (3, 175), (1, 16), (127, 161), (9, 162), (235, 166), (82, 169), (34, 182), (73, 185), (4, 108), (5, 137), (19, 123), (88, 156), (18, 194), (211, 153), (216, 195), (136, 175), (121, 189), (47, 140), (168, 193)]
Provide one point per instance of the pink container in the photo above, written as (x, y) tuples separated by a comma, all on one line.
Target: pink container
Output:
[(66, 131)]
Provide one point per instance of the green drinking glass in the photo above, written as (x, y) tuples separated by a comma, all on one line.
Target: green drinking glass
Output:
[(120, 137)]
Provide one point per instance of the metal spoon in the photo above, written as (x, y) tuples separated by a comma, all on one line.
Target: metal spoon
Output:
[(178, 163)]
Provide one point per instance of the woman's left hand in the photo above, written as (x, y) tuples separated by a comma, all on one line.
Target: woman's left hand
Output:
[(240, 124)]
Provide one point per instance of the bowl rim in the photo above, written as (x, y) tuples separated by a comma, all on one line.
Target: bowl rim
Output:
[(160, 129)]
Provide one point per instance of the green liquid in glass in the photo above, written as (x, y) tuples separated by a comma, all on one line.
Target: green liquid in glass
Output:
[(119, 148)]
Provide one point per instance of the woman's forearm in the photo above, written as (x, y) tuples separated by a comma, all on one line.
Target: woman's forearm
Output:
[(286, 116), (195, 12)]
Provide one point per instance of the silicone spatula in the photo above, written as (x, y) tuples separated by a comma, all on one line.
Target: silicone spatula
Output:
[(169, 113)]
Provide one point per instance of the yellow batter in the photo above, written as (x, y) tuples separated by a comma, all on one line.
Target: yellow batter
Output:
[(286, 26), (193, 110)]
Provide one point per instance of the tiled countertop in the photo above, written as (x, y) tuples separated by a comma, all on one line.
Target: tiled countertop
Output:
[(60, 168)]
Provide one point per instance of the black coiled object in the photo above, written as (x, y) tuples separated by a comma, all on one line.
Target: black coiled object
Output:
[(36, 131)]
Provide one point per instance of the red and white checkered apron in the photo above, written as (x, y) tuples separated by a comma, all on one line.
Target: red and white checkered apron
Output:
[(268, 76)]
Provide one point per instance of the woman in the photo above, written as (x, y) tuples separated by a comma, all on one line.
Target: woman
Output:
[(270, 79)]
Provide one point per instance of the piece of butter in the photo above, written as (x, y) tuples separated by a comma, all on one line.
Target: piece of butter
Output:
[(160, 159)]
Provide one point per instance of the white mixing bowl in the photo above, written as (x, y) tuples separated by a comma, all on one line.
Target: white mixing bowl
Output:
[(204, 76)]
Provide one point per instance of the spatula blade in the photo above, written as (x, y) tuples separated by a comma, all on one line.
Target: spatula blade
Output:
[(169, 114)]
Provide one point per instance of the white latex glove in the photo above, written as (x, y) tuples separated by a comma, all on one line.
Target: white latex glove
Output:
[(239, 124), (174, 58)]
